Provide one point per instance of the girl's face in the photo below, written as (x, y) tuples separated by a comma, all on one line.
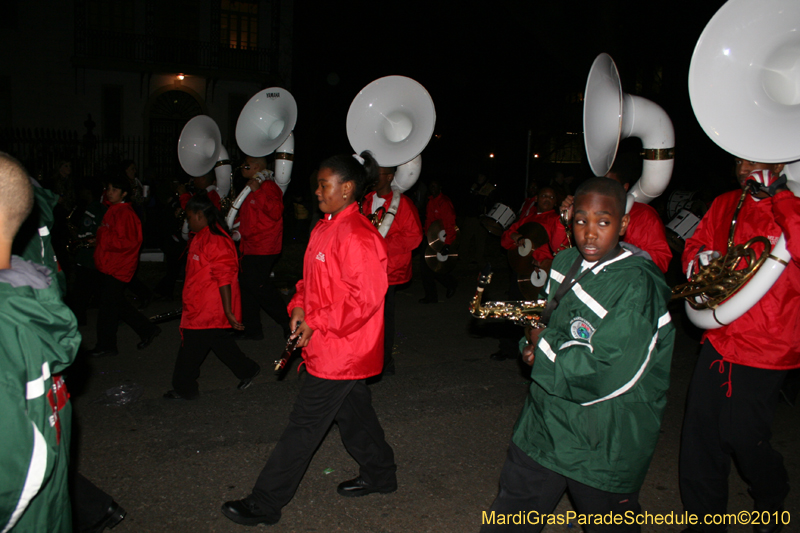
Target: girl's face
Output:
[(197, 220), (114, 195), (66, 169), (131, 172), (332, 194)]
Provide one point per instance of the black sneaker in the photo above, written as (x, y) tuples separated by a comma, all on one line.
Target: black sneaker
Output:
[(245, 383)]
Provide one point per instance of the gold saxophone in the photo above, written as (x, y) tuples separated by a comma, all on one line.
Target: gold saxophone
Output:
[(565, 221), (523, 313), (716, 282)]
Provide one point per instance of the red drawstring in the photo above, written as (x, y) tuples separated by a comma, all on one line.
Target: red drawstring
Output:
[(729, 383)]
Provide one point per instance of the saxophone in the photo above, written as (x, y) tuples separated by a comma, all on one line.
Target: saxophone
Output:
[(522, 313)]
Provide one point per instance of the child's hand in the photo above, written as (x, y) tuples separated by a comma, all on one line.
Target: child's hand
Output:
[(528, 354), (233, 322)]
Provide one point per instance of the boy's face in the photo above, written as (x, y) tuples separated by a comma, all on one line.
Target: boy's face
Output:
[(597, 225)]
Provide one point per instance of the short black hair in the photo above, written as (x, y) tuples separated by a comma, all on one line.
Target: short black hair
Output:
[(606, 187), (120, 181)]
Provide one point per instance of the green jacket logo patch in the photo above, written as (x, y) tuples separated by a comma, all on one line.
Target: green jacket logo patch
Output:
[(580, 328)]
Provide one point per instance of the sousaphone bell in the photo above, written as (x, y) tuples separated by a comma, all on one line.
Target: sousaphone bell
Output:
[(744, 86)]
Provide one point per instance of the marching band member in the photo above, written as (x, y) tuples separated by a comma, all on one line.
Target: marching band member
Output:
[(38, 340), (116, 256), (600, 372), (261, 230), (439, 208), (737, 380), (646, 230), (338, 314), (544, 214), (211, 302), (403, 237), (201, 183)]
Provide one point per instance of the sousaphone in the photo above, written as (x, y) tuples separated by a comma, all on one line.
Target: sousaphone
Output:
[(393, 117), (610, 115), (744, 85), (200, 150), (265, 126)]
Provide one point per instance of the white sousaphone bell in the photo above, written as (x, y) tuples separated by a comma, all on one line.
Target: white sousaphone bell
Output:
[(610, 115), (265, 125), (393, 117), (200, 150), (744, 85)]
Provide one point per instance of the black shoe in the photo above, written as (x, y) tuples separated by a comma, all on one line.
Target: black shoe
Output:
[(146, 341), (247, 513), (358, 487), (451, 291), (249, 381), (498, 356), (114, 515), (100, 352), (428, 300)]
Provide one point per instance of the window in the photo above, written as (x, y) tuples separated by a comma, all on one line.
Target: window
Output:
[(110, 15), (239, 24)]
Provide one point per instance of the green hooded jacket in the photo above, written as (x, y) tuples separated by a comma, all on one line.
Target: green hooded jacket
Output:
[(38, 339), (600, 375)]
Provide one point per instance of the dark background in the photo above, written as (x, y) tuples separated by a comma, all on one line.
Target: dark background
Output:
[(496, 71)]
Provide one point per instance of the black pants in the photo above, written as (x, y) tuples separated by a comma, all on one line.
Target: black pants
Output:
[(258, 292), (87, 284), (89, 502), (388, 327), (113, 308), (320, 403), (718, 428), (429, 279), (194, 350), (527, 486)]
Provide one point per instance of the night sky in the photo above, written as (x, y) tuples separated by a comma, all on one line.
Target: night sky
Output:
[(494, 71)]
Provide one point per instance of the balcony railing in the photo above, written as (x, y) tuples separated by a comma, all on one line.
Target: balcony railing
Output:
[(143, 52)]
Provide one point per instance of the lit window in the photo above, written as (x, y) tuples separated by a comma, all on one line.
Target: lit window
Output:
[(239, 24)]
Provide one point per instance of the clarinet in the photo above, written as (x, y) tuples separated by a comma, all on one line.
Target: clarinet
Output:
[(288, 351)]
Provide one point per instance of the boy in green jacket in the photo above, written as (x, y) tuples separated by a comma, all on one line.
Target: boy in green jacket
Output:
[(600, 375), (38, 339)]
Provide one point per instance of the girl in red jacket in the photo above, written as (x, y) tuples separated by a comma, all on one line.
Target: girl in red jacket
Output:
[(211, 302), (338, 314), (116, 256)]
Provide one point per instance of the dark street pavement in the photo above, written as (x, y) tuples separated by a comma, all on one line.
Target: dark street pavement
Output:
[(448, 413)]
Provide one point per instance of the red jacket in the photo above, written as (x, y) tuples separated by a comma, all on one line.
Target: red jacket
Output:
[(119, 238), (528, 207), (261, 221), (342, 295), (646, 231), (211, 263), (767, 335), (403, 236), (441, 208), (213, 195), (551, 222)]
